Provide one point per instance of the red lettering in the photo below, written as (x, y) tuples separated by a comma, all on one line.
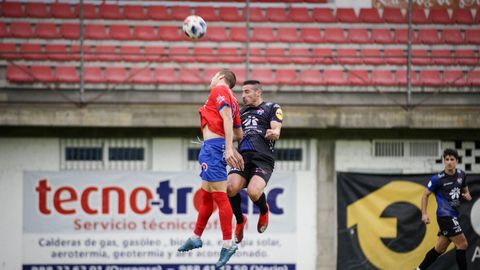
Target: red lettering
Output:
[(42, 190), (133, 200), (58, 200), (106, 199), (84, 200)]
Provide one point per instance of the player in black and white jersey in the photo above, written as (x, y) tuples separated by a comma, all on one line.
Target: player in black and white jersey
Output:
[(261, 124), (449, 187)]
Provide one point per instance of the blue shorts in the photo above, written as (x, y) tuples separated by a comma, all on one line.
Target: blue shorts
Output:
[(212, 160)]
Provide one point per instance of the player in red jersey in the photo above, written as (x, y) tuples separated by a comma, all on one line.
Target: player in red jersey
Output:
[(220, 125)]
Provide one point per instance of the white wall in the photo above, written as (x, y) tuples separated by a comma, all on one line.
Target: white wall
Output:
[(353, 3)]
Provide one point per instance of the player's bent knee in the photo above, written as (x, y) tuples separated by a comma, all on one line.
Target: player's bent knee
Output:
[(254, 193)]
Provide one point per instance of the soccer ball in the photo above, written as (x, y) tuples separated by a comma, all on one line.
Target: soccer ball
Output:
[(194, 27)]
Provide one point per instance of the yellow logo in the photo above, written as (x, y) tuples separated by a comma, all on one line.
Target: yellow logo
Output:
[(371, 227), (279, 114)]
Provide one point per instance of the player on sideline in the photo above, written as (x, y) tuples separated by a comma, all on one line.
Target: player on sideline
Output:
[(220, 125), (449, 187), (261, 124)]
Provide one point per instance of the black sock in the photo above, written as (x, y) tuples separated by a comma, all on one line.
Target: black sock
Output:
[(431, 256), (236, 203), (262, 204), (461, 259)]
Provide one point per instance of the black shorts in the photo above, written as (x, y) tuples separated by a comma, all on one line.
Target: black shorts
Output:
[(448, 226), (255, 164)]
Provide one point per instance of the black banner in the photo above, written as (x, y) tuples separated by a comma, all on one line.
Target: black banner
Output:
[(380, 227)]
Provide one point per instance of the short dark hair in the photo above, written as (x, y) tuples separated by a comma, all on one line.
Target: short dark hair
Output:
[(450, 152), (230, 77), (247, 82)]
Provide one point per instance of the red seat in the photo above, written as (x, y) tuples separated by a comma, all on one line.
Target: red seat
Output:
[(205, 55), (275, 14), (263, 34), (430, 78), (442, 57), (256, 56), (207, 13), (382, 77), (395, 56), (324, 15), (144, 32), (180, 12), (311, 35), (19, 74), (120, 32), (32, 51), (420, 57), (276, 56), (3, 30), (106, 53), (9, 51), (452, 36), (370, 15), (46, 30), (348, 57), (93, 75), (356, 35), (115, 75), (454, 77), (169, 33), (190, 76), (473, 77), (87, 53), (382, 36), (419, 17), (394, 15), (131, 53), (477, 17), (402, 77), (134, 12), (95, 31), (158, 13), (428, 36), (358, 77), (300, 56), (37, 10), (230, 14), (287, 35), (287, 76), (300, 14), (110, 12), (21, 30), (372, 57), (466, 57), (323, 55), (141, 75), (334, 77), (180, 54), (240, 74), (67, 74), (216, 33), (238, 34), (155, 53), (208, 74), (438, 15), (472, 36), (64, 11), (265, 76), (58, 52), (401, 36), (256, 14), (90, 11), (334, 35), (462, 16), (70, 31), (230, 55), (11, 9), (346, 15), (42, 74), (311, 77)]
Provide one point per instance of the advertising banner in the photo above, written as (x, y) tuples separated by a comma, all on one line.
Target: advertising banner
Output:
[(380, 227), (450, 4), (137, 220)]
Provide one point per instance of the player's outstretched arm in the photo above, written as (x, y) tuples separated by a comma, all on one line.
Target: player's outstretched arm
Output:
[(425, 218)]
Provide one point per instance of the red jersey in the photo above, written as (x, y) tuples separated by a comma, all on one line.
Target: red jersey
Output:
[(219, 97)]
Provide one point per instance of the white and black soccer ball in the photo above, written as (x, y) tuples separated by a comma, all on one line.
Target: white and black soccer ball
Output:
[(194, 27)]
